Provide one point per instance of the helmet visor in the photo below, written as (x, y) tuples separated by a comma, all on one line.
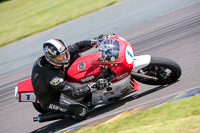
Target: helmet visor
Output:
[(62, 58)]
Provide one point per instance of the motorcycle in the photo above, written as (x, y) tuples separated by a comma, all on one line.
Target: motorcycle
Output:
[(113, 60)]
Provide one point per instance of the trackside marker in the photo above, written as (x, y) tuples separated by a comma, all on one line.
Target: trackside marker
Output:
[(68, 130)]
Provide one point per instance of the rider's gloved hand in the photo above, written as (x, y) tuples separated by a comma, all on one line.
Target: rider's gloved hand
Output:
[(99, 85), (94, 43), (104, 36), (92, 87)]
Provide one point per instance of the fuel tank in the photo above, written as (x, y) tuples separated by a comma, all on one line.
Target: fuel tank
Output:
[(82, 71)]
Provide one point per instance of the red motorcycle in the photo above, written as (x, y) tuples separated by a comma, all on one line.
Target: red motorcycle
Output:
[(114, 60)]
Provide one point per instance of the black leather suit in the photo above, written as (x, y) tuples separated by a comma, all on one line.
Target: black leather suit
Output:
[(53, 92)]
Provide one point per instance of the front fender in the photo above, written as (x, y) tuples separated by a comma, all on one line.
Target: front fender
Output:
[(141, 61)]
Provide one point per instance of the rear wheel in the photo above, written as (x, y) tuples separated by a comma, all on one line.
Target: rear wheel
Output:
[(165, 70)]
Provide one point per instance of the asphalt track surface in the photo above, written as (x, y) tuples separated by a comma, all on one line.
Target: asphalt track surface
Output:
[(168, 29)]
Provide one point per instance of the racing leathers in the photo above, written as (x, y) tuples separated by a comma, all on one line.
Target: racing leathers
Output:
[(53, 91)]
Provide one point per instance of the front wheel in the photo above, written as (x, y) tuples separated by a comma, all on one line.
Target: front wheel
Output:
[(165, 70)]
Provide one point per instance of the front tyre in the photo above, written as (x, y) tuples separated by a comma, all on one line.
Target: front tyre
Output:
[(165, 70)]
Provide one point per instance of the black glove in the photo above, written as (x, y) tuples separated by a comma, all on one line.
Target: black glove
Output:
[(92, 87), (104, 36), (99, 85), (94, 43)]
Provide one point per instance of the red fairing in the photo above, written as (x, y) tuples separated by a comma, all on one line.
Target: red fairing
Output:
[(126, 58), (81, 71), (88, 68), (25, 86)]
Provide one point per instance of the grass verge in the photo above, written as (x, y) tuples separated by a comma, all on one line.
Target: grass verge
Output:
[(182, 116), (22, 18)]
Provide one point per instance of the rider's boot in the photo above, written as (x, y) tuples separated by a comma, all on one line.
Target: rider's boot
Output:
[(78, 113)]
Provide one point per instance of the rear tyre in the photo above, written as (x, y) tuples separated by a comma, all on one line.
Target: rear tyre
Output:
[(38, 107), (166, 70)]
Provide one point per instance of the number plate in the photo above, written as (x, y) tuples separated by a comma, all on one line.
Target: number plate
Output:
[(28, 97)]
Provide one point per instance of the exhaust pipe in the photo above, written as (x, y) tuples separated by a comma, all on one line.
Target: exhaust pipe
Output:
[(49, 117)]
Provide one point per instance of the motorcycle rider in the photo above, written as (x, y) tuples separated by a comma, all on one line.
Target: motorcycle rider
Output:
[(54, 93)]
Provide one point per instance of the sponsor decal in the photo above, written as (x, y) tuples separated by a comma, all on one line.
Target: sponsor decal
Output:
[(122, 76), (81, 66), (56, 81), (124, 90), (55, 107), (87, 79), (129, 55), (108, 94)]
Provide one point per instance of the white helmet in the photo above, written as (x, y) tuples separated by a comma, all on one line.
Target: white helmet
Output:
[(56, 52)]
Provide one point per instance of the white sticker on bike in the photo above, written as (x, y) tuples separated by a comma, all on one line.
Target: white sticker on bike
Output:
[(28, 97), (129, 54)]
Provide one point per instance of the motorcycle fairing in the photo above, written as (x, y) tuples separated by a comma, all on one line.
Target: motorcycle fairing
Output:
[(141, 61), (24, 91)]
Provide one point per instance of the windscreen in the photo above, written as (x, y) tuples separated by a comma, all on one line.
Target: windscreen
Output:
[(109, 49)]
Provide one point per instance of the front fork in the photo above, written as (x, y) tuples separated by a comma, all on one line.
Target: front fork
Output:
[(139, 63), (143, 76)]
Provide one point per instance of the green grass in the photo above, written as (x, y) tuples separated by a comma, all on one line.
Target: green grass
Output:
[(22, 18), (181, 116)]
